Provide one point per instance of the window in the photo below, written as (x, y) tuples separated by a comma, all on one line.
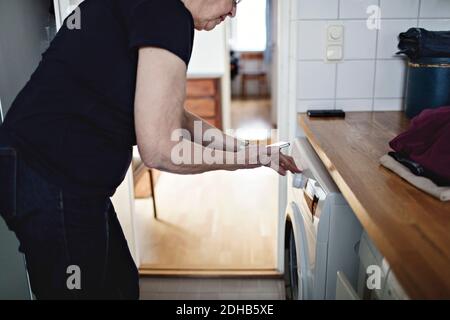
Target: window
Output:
[(248, 29)]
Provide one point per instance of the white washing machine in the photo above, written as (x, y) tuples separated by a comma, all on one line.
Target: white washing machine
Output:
[(388, 286), (321, 234)]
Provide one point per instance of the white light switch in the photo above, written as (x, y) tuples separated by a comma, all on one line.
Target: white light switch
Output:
[(334, 53), (335, 43)]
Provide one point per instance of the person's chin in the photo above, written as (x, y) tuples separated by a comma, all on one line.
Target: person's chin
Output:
[(211, 28), (208, 25), (201, 26)]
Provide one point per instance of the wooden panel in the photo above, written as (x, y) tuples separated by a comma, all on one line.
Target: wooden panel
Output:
[(204, 100), (203, 107), (201, 88), (409, 227), (252, 56)]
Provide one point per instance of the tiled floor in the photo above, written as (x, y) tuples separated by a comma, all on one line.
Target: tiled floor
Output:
[(211, 289)]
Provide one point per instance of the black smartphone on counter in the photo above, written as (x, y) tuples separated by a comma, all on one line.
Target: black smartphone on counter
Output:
[(326, 113)]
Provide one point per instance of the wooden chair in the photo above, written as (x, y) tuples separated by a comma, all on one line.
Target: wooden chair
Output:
[(258, 74)]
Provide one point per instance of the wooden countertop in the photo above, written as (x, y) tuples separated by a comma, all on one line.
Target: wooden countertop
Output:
[(410, 228)]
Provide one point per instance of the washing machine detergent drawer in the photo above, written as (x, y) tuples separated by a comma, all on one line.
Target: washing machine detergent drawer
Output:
[(307, 159)]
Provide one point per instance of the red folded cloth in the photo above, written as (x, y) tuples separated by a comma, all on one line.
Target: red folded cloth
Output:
[(427, 141)]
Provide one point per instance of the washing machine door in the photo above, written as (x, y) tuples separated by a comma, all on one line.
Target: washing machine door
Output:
[(300, 252), (293, 287)]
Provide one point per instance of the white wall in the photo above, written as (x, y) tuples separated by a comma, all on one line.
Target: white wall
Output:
[(370, 77), (209, 53), (275, 56), (210, 58)]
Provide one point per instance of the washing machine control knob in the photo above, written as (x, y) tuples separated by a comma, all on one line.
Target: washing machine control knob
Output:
[(299, 181)]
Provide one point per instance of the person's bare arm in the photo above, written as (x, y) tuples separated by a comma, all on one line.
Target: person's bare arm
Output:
[(222, 141), (225, 142), (159, 112)]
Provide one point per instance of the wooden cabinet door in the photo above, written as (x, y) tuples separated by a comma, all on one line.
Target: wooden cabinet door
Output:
[(204, 100), (201, 88), (203, 107)]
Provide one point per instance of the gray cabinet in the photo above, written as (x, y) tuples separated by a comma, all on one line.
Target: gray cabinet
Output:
[(26, 29), (14, 284), (13, 275)]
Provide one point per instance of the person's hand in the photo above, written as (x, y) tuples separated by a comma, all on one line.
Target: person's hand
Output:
[(275, 159), (260, 155)]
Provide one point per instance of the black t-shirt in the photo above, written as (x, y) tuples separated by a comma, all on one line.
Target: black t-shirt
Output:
[(74, 120)]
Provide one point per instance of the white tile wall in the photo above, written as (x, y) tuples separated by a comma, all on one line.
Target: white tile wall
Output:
[(390, 79), (317, 9), (303, 105), (400, 8), (359, 41), (311, 39), (388, 36), (435, 24), (354, 104), (316, 80), (355, 79), (388, 104), (355, 9), (371, 77), (435, 9)]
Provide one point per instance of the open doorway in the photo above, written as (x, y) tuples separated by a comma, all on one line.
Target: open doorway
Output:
[(218, 223), (251, 42)]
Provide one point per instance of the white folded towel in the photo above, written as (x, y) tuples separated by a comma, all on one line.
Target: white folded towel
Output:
[(422, 183)]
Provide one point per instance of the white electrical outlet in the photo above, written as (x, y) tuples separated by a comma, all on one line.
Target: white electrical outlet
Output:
[(335, 43)]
